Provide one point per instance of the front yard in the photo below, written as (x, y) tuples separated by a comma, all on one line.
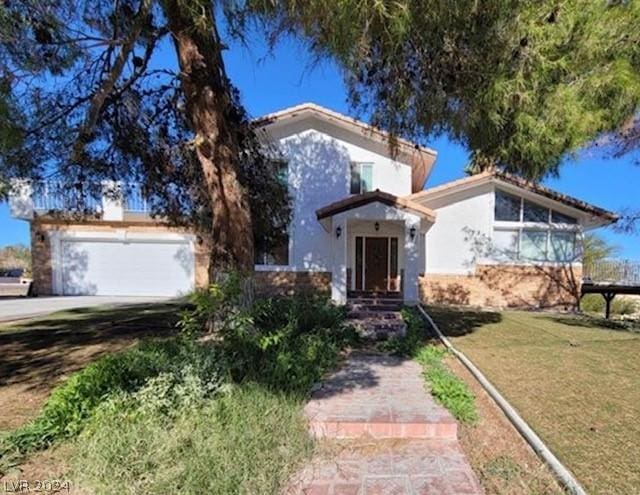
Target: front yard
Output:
[(170, 409), (573, 379)]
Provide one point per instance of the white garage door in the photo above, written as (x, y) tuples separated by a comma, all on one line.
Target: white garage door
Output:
[(131, 268)]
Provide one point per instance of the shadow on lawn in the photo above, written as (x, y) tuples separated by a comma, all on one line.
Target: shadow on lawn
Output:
[(587, 321), (38, 352), (456, 322)]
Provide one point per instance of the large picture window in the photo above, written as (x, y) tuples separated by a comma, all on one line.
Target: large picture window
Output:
[(534, 245), (527, 231), (361, 177)]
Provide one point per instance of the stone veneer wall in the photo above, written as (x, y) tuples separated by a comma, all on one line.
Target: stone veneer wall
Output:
[(506, 286), (288, 283), (41, 250)]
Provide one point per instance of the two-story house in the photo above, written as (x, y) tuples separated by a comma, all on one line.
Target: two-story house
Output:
[(361, 222)]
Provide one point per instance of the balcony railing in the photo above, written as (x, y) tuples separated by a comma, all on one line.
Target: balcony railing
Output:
[(61, 196), (134, 199), (623, 272)]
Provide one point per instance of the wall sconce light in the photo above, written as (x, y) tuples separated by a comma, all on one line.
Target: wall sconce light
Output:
[(376, 226), (412, 233), (338, 231), (40, 237), (199, 240)]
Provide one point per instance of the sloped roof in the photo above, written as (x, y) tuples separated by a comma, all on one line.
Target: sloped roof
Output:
[(497, 176), (372, 197), (420, 158)]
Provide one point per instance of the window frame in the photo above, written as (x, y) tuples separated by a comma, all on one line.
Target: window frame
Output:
[(549, 227), (353, 165)]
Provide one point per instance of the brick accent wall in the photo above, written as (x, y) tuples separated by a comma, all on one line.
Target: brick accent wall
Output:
[(41, 261), (506, 286), (289, 283), (41, 248)]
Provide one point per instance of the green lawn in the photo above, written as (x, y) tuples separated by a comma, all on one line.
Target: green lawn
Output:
[(574, 379)]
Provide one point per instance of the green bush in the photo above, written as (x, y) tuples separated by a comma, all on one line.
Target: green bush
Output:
[(594, 303), (221, 416), (446, 387), (287, 343), (71, 405), (248, 441), (414, 338)]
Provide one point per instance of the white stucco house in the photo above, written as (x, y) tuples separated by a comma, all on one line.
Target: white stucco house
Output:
[(364, 220)]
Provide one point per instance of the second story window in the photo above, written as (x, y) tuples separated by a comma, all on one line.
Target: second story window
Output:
[(361, 177)]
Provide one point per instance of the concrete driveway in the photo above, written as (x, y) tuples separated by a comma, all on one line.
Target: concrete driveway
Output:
[(21, 308)]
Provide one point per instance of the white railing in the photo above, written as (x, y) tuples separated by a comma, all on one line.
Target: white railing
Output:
[(61, 196), (134, 199), (624, 272)]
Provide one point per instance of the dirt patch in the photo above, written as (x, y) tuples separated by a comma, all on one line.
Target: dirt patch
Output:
[(37, 355), (44, 472), (504, 463)]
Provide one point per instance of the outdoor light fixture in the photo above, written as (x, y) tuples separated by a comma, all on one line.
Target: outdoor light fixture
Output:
[(412, 232), (376, 226), (338, 231), (199, 240), (40, 237)]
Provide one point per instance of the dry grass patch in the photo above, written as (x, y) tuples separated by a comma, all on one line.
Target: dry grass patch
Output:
[(502, 460), (573, 379)]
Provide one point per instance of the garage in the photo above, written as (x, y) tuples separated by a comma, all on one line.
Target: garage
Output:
[(130, 267)]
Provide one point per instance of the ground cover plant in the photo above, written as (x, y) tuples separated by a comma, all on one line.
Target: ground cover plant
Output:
[(572, 378), (219, 413), (444, 385)]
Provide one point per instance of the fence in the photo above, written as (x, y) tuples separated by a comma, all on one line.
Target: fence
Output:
[(623, 272)]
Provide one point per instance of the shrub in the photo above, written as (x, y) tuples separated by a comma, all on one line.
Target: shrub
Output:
[(287, 343), (71, 405), (414, 338), (248, 441), (446, 387), (594, 303)]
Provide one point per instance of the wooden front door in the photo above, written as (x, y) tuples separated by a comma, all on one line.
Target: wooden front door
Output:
[(376, 263)]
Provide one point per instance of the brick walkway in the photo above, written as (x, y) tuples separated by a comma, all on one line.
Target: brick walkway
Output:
[(412, 447)]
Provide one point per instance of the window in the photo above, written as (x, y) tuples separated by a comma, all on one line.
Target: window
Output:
[(547, 240), (507, 207), (557, 217), (277, 256), (505, 244), (282, 169), (563, 246), (361, 177), (533, 245), (532, 212)]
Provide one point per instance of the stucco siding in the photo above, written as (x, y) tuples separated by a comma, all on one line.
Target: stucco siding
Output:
[(319, 174), (451, 244)]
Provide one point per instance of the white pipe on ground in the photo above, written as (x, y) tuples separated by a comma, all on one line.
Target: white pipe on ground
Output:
[(562, 473)]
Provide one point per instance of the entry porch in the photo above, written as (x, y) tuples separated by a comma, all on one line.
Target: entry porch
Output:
[(377, 245)]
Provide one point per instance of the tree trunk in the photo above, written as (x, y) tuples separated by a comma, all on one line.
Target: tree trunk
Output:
[(209, 106)]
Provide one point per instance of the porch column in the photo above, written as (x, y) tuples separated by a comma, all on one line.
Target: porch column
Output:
[(339, 271), (411, 260)]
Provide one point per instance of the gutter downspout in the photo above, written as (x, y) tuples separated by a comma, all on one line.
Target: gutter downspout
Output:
[(563, 475)]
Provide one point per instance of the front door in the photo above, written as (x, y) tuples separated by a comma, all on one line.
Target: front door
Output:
[(376, 263)]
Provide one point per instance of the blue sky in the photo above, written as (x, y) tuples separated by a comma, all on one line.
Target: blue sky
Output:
[(272, 81)]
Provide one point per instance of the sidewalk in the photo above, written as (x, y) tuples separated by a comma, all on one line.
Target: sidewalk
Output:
[(411, 445)]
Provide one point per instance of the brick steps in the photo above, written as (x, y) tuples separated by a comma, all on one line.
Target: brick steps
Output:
[(377, 318), (380, 397), (357, 429)]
